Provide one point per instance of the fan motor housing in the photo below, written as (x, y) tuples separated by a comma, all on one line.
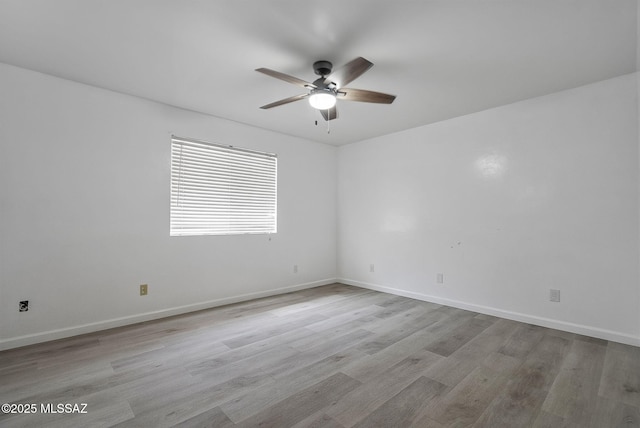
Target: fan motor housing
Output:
[(322, 68)]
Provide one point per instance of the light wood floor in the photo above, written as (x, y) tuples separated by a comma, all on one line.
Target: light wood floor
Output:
[(333, 356)]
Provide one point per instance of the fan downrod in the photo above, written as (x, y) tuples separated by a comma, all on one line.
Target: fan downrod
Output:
[(322, 68)]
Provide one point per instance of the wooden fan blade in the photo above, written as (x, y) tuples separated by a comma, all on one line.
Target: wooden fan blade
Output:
[(349, 72), (286, 78), (285, 101), (365, 96), (330, 114)]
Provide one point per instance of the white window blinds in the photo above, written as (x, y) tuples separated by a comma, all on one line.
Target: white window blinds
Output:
[(221, 190)]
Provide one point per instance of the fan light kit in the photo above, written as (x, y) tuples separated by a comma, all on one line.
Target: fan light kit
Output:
[(326, 90), (322, 99)]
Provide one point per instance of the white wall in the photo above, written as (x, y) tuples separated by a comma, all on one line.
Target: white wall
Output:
[(84, 210), (507, 204)]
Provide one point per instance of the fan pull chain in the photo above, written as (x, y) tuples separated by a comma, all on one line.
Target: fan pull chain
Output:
[(328, 121)]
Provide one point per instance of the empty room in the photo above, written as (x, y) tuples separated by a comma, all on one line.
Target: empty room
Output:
[(286, 213)]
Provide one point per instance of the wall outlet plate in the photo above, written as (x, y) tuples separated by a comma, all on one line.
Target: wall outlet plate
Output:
[(143, 289), (554, 295), (23, 306)]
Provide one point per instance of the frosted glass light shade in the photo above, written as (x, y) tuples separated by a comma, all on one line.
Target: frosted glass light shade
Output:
[(322, 100)]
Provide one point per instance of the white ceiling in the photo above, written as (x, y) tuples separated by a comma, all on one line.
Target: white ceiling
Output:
[(442, 58)]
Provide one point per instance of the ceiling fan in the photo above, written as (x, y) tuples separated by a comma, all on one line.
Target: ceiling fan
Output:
[(330, 86)]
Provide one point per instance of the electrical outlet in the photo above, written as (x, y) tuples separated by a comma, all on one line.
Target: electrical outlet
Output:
[(23, 306), (143, 289), (295, 268), (440, 278), (372, 268), (554, 295)]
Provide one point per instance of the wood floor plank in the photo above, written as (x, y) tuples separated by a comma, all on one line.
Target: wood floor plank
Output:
[(318, 420), (213, 418), (547, 420), (268, 332), (613, 413), (501, 363), (522, 341), (261, 398), (168, 357), (215, 360), (309, 400), (332, 300), (328, 357), (368, 298), (408, 323), (151, 384), (470, 356), (403, 408), (573, 394), (426, 422), (621, 374), (371, 366), (42, 352), (331, 339), (394, 306), (451, 342), (272, 303), (358, 404), (519, 403), (222, 372), (187, 402), (313, 354), (346, 317), (465, 403)]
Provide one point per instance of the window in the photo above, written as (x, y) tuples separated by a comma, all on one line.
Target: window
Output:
[(221, 190)]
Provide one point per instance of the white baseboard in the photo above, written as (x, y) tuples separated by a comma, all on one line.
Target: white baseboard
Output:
[(30, 339), (515, 316)]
